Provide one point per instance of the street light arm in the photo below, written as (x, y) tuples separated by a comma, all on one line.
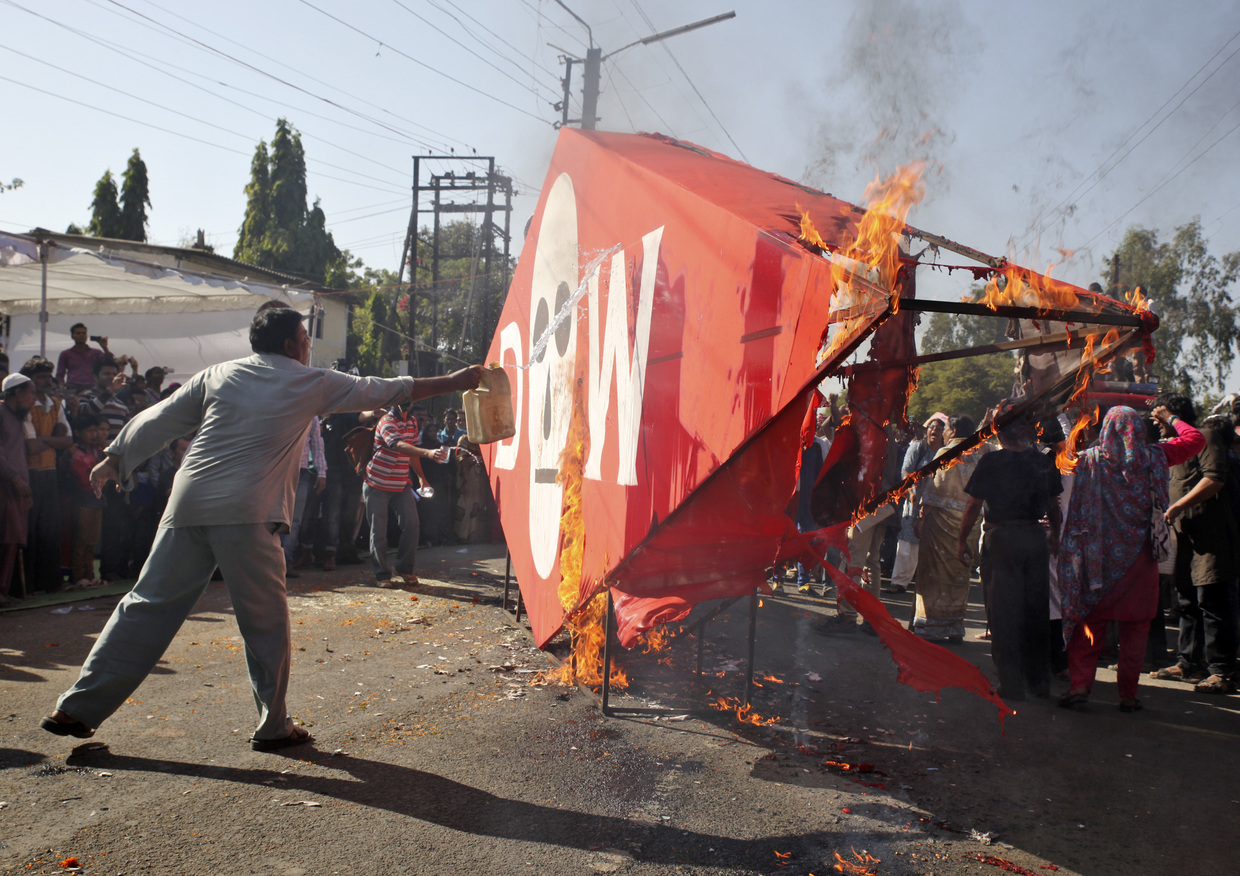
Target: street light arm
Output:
[(664, 34)]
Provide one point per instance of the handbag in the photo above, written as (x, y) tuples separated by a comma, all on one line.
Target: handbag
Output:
[(1160, 531)]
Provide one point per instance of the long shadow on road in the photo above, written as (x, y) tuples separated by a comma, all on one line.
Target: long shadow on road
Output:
[(438, 800)]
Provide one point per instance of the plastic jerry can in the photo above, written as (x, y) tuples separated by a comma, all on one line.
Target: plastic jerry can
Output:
[(488, 409)]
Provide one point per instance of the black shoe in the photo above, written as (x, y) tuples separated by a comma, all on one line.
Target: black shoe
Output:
[(868, 629)]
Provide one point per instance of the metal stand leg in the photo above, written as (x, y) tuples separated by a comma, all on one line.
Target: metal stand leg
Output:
[(507, 576), (608, 622), (753, 630)]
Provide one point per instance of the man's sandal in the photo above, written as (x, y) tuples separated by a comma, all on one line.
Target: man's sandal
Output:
[(1130, 706), (1178, 673), (67, 727), (298, 736), (1215, 684)]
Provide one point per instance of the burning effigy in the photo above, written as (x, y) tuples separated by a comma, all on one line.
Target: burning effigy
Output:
[(670, 319)]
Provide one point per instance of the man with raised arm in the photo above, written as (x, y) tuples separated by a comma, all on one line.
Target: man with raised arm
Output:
[(231, 500)]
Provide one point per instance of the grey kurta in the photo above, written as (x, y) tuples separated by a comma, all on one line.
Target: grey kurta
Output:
[(251, 416), (233, 492)]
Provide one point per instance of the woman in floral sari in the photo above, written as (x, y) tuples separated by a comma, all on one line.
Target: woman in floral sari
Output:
[(942, 579), (1106, 568)]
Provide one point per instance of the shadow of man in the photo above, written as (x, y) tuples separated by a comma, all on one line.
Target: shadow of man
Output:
[(442, 801)]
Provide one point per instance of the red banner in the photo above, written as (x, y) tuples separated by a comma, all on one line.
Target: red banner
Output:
[(683, 327)]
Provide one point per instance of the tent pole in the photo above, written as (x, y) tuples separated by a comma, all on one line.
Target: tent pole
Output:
[(43, 301)]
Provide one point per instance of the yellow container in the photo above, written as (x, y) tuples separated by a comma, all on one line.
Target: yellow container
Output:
[(488, 409)]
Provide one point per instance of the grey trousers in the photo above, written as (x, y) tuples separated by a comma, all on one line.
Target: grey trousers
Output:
[(176, 573), (405, 507)]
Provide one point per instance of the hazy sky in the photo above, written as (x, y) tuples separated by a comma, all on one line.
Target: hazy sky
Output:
[(1047, 125)]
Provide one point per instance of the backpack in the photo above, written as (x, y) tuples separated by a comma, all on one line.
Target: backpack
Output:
[(359, 447)]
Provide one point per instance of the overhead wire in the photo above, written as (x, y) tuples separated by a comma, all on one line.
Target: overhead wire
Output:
[(1160, 185), (361, 100), (162, 65), (417, 61), (540, 17), (1102, 170), (688, 79), (209, 48), (533, 61), (177, 112), (457, 42)]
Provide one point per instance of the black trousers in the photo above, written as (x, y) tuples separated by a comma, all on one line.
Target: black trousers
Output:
[(1015, 566), (43, 539)]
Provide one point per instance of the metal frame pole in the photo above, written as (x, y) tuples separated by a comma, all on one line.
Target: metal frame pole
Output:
[(753, 633), (608, 622)]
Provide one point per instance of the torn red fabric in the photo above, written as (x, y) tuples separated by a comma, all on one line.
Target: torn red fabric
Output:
[(921, 665)]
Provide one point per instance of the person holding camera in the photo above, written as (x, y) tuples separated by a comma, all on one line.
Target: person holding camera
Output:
[(74, 368)]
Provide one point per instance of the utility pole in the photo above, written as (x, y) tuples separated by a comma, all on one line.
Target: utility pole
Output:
[(593, 65), (442, 189)]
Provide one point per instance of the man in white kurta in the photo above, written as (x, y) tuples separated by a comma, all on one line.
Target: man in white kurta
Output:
[(231, 500)]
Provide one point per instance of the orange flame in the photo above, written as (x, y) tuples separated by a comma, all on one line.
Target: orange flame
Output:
[(865, 865), (865, 267), (587, 624), (1136, 298), (877, 244), (809, 234), (744, 713), (1066, 458), (1089, 634), (1019, 287), (655, 640)]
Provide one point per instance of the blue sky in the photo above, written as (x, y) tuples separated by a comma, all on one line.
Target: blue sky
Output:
[(1048, 125)]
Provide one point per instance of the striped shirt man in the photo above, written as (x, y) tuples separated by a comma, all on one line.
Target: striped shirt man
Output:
[(388, 468)]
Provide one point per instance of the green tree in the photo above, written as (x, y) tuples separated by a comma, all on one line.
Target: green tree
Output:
[(135, 198), (456, 314), (962, 386), (105, 212), (278, 230), (253, 231), (1190, 289), (375, 328), (9, 186)]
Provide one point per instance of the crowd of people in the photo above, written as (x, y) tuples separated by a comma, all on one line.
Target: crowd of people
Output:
[(57, 534), (1073, 567)]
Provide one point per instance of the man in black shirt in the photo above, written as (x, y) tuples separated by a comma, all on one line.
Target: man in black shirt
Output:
[(1017, 485)]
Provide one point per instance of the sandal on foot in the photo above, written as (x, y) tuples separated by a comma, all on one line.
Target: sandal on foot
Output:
[(70, 727), (1178, 673), (1071, 700), (1129, 706), (1215, 684), (298, 736)]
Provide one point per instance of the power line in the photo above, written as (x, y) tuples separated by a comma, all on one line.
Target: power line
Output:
[(1162, 184), (1102, 170), (420, 63), (361, 100), (503, 73), (539, 18), (181, 134), (701, 97), (177, 112), (533, 61), (251, 67)]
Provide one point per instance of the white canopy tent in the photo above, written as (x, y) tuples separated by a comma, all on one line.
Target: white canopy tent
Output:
[(177, 308)]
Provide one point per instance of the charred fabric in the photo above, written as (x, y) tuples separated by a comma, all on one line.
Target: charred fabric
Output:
[(667, 327)]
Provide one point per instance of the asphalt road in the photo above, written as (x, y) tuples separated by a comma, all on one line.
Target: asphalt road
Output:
[(438, 751)]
